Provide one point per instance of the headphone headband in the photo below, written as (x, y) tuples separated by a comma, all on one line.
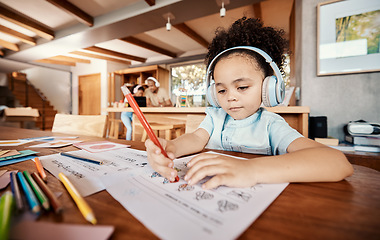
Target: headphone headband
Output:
[(136, 89), (156, 83), (279, 82), (265, 55)]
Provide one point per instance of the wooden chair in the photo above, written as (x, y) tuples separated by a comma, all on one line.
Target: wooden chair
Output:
[(168, 128), (192, 122), (89, 125), (114, 125)]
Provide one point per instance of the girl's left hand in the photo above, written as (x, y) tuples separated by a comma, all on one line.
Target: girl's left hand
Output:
[(224, 170)]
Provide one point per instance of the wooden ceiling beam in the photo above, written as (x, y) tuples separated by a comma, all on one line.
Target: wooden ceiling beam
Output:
[(70, 59), (15, 17), (9, 45), (115, 54), (24, 38), (257, 10), (100, 57), (57, 62), (148, 46), (151, 2), (73, 10), (192, 34)]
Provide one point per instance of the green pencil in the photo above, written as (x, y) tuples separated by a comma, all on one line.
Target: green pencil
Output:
[(37, 190), (6, 208)]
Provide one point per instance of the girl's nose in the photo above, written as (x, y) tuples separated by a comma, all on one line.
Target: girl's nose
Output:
[(231, 97)]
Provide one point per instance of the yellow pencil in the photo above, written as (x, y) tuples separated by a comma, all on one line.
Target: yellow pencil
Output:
[(84, 208)]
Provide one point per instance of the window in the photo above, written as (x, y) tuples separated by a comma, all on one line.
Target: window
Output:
[(188, 85)]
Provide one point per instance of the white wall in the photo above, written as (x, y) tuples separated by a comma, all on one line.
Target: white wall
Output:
[(342, 98), (54, 84), (96, 66)]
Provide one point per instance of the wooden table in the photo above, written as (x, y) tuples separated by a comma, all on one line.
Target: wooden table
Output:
[(296, 116), (367, 159), (348, 209)]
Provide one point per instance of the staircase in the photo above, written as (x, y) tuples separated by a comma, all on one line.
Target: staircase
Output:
[(29, 96)]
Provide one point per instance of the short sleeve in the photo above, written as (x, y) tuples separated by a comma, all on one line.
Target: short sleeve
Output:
[(281, 135), (207, 123)]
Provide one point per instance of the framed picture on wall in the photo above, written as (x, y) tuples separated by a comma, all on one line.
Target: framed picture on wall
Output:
[(348, 37)]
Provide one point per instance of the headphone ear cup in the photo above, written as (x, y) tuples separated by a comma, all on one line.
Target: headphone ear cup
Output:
[(211, 96), (280, 91), (268, 93), (157, 83)]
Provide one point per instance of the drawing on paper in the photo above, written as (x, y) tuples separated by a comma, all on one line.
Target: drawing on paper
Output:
[(224, 206), (203, 195), (102, 147), (241, 195), (142, 164), (155, 174), (185, 187)]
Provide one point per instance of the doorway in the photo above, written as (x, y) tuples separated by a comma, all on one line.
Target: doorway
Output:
[(89, 94)]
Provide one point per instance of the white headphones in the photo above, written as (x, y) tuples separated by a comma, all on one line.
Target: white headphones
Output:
[(273, 86), (156, 83), (136, 89)]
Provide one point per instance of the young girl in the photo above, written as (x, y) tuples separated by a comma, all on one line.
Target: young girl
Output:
[(240, 124)]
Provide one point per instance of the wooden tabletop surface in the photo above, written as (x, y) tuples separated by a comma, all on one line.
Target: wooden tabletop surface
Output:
[(348, 209)]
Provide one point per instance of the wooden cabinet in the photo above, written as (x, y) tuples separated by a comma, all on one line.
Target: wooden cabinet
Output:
[(131, 76), (139, 74), (134, 76)]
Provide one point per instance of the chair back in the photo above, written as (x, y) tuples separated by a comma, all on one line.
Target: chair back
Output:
[(89, 125), (192, 122)]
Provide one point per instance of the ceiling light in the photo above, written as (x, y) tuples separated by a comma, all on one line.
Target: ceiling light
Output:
[(222, 10), (170, 17), (168, 25)]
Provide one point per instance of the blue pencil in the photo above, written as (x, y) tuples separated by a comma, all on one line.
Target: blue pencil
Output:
[(66, 154), (29, 194), (16, 192)]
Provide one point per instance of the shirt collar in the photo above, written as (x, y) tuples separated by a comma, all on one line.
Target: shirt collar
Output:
[(230, 122)]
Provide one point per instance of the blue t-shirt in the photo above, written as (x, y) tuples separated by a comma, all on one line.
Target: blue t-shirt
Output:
[(261, 133)]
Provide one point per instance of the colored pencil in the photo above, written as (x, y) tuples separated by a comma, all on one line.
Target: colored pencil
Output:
[(16, 192), (143, 121), (81, 158), (40, 168), (37, 190), (29, 194), (57, 206), (84, 208), (6, 208)]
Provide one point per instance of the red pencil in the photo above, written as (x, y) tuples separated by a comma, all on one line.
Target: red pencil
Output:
[(143, 121)]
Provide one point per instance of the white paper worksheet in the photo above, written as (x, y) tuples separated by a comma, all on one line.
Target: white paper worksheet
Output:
[(86, 176), (170, 210), (179, 211)]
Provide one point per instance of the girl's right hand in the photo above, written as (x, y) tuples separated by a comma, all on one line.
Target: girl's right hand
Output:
[(158, 161)]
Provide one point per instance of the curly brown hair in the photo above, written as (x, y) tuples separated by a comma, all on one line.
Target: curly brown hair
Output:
[(250, 32)]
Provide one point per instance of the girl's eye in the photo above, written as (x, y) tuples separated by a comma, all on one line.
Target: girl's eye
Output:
[(221, 91), (243, 88)]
